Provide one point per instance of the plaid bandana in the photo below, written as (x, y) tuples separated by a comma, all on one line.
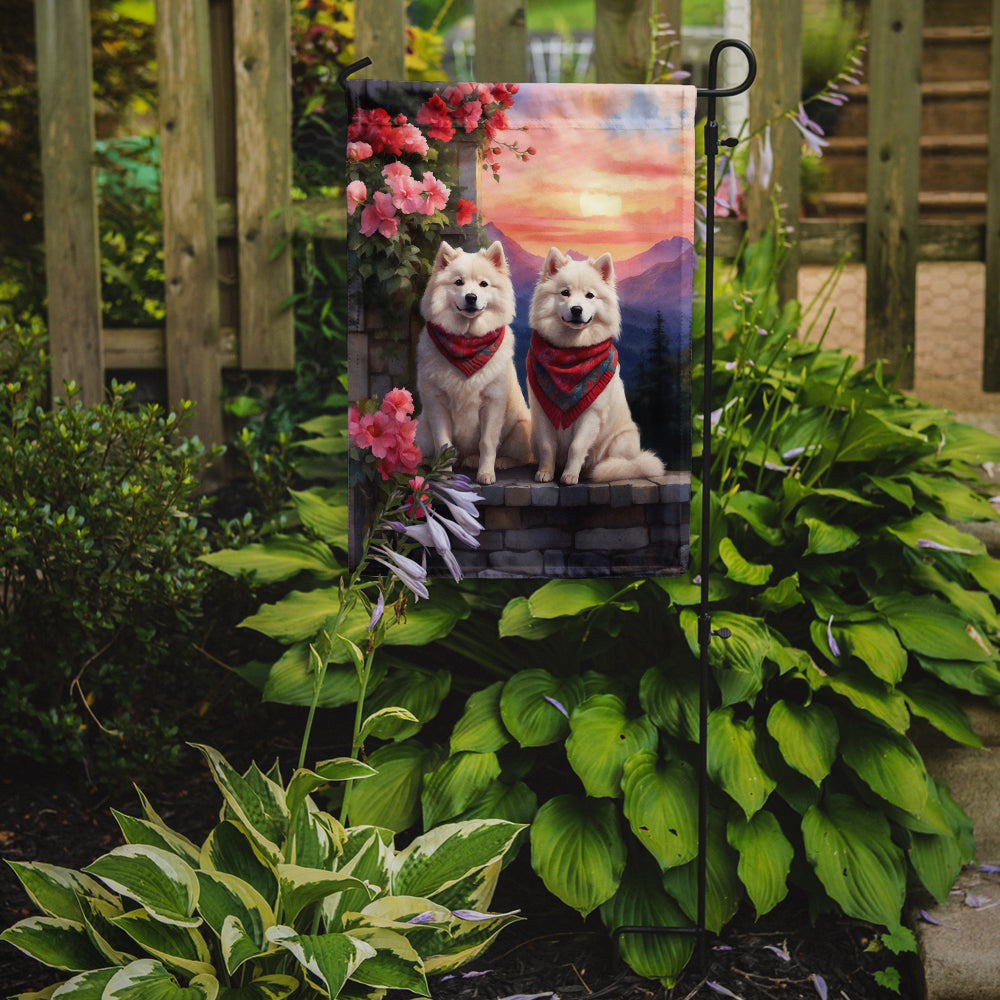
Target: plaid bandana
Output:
[(567, 380), (467, 354)]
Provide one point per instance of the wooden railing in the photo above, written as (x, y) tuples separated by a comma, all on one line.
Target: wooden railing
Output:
[(226, 159)]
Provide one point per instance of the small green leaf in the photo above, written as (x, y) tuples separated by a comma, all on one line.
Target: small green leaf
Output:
[(535, 706), (732, 760), (456, 784), (807, 736), (560, 598), (739, 569), (391, 798), (481, 727), (765, 858), (888, 763)]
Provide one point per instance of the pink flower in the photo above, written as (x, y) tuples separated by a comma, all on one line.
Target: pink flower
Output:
[(354, 428), (380, 216), (395, 170), (435, 114), (411, 139), (466, 212), (496, 123), (468, 115), (437, 194), (398, 403), (457, 93), (357, 194), (358, 150), (407, 194)]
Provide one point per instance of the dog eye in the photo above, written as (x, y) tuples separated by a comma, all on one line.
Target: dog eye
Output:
[(565, 292), (484, 284), (459, 281), (590, 295)]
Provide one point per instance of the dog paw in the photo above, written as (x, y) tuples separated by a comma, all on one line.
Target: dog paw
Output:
[(487, 478), (569, 479), (543, 476)]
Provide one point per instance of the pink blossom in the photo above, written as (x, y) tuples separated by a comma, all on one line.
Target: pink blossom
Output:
[(496, 123), (411, 139), (407, 194), (380, 216), (468, 115), (398, 403), (394, 170), (357, 194), (437, 194), (466, 212), (354, 428), (457, 93), (358, 150)]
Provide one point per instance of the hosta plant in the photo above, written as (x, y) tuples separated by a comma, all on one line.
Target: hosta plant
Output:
[(279, 900)]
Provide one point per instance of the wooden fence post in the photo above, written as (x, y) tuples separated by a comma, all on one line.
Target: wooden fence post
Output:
[(892, 212), (380, 34), (991, 331), (501, 40), (72, 255), (776, 35), (261, 57), (190, 251), (621, 40)]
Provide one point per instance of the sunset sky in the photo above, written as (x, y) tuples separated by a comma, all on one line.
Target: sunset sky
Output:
[(608, 174)]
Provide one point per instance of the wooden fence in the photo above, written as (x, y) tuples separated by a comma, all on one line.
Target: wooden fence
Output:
[(226, 159)]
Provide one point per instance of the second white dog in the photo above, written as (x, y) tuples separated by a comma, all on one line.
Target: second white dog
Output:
[(580, 420)]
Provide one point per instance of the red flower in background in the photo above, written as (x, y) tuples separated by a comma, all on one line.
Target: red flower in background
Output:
[(434, 113), (466, 212)]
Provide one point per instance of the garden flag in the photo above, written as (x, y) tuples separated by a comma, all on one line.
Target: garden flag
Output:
[(521, 264)]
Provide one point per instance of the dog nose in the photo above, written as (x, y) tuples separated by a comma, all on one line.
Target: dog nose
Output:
[(470, 298), (577, 311)]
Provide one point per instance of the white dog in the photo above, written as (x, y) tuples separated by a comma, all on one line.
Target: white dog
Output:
[(469, 393), (580, 419)]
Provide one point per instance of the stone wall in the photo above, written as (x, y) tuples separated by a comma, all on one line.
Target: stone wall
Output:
[(633, 527)]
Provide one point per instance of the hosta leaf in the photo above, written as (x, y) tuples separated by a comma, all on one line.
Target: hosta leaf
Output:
[(765, 858), (304, 782), (395, 964), (465, 941), (301, 887), (54, 941), (941, 709), (516, 803), (420, 692), (888, 763), (828, 539), (723, 889), (456, 784), (602, 738), (147, 979), (931, 628), (976, 678), (230, 849), (578, 851), (850, 848), (225, 897), (864, 691), (386, 723), (986, 571), (279, 558), (530, 706), (739, 569), (661, 806), (327, 520), (876, 645), (869, 436), (291, 680), (330, 959), (738, 661), (641, 901), (783, 595), (391, 798), (965, 443), (807, 736), (86, 986), (758, 511), (517, 620), (957, 501), (441, 857), (141, 831), (670, 699), (732, 760), (559, 598), (928, 528), (481, 728), (56, 891), (159, 881), (180, 948), (273, 987), (366, 856), (937, 859)]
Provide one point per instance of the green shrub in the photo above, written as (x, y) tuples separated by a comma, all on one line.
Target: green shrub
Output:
[(280, 899), (101, 584)]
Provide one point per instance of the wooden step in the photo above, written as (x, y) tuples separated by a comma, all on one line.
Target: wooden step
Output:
[(945, 12), (956, 53), (960, 206)]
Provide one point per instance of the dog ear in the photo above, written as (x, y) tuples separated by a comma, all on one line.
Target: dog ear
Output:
[(605, 268), (445, 255), (553, 262), (495, 255)]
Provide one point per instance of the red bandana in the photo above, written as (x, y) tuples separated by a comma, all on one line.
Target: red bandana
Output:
[(467, 354), (566, 380)]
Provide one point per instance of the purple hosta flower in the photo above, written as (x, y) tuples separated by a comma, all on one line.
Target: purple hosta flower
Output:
[(431, 535), (475, 915), (820, 984), (558, 705), (531, 996), (719, 988), (465, 975), (834, 648), (760, 164), (927, 918), (727, 198), (408, 571), (989, 869), (812, 134), (782, 953), (377, 612), (427, 917), (927, 543)]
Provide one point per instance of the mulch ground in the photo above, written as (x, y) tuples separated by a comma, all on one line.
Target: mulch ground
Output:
[(56, 819)]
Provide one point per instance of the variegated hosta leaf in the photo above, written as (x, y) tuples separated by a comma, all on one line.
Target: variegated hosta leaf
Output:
[(481, 727), (661, 805), (230, 849), (86, 986), (641, 901), (273, 987), (395, 965), (315, 838), (456, 784), (602, 737), (301, 887), (851, 849), (807, 736), (141, 831), (158, 880), (54, 941), (224, 898), (304, 782), (256, 801), (177, 947), (147, 979), (466, 940), (441, 857), (578, 851), (99, 915), (329, 959), (56, 891), (765, 858), (732, 760), (367, 856)]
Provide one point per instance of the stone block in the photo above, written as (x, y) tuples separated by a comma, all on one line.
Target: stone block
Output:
[(577, 495), (518, 563), (545, 537), (554, 562), (544, 495), (611, 539), (517, 495)]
